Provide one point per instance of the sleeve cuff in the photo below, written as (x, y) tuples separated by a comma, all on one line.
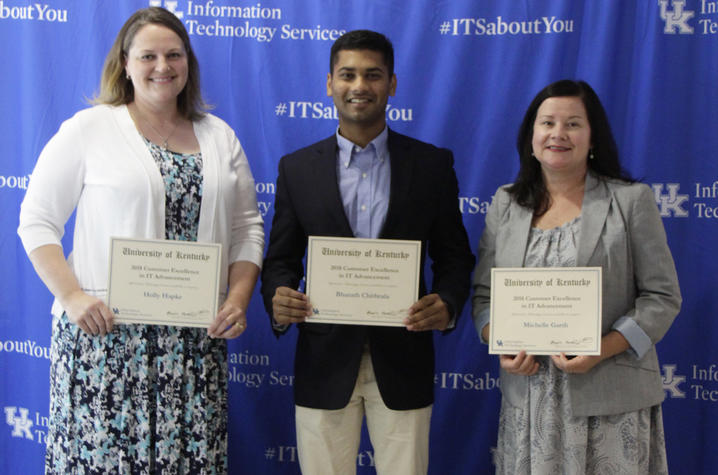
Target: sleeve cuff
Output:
[(636, 337), (278, 327), (452, 316)]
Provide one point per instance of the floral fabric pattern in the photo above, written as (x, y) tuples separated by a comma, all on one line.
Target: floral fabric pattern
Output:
[(143, 399), (542, 437), (182, 174)]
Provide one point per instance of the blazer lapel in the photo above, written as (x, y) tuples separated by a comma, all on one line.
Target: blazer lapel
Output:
[(324, 173), (596, 202), (516, 238), (401, 170)]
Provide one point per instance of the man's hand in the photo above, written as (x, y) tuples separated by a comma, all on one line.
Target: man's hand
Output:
[(428, 313), (290, 306)]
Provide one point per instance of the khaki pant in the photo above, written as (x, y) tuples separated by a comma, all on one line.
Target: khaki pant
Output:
[(328, 440)]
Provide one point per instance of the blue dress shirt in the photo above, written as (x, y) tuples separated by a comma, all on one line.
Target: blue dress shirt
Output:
[(364, 178)]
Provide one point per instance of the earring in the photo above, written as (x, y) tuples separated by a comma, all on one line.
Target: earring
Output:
[(590, 154), (128, 75)]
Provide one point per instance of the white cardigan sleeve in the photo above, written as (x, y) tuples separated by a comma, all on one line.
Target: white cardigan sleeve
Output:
[(247, 230), (54, 190)]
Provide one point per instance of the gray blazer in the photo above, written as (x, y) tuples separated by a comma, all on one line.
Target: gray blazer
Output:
[(621, 231)]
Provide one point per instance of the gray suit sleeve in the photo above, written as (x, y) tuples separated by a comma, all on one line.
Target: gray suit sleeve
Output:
[(658, 294), (482, 274)]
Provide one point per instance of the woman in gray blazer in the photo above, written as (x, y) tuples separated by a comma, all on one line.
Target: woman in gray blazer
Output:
[(572, 205)]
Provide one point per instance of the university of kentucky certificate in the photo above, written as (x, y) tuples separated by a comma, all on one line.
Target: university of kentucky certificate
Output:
[(362, 281), (163, 282), (546, 310)]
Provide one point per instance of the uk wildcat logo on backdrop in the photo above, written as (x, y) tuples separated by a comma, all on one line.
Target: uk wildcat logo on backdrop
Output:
[(676, 20), (671, 203), (25, 426), (21, 424), (168, 5), (671, 381)]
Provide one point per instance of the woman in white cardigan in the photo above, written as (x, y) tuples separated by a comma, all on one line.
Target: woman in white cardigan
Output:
[(146, 162)]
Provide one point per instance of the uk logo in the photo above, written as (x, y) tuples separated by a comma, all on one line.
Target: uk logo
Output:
[(676, 20), (670, 204), (21, 424), (671, 381), (168, 5)]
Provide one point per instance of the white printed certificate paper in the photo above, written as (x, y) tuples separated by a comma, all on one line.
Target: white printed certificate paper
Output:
[(362, 281), (163, 282), (546, 311)]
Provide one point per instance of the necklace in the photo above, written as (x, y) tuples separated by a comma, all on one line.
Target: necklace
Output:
[(164, 144)]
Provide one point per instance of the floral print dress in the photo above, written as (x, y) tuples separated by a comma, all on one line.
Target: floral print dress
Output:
[(143, 399), (542, 437)]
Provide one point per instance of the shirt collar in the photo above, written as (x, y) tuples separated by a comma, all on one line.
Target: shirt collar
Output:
[(346, 146)]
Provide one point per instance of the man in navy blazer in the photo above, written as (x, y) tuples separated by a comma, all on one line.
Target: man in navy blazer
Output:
[(366, 181)]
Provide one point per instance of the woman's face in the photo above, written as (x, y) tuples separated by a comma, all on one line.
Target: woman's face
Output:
[(562, 135), (157, 65)]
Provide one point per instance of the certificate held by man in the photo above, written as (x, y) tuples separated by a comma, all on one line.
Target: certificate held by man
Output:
[(546, 311), (163, 282), (362, 281)]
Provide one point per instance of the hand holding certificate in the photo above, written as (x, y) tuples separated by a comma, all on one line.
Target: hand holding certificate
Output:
[(362, 281), (546, 311), (163, 282)]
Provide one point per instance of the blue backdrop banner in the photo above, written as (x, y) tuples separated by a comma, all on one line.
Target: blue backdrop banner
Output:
[(466, 72)]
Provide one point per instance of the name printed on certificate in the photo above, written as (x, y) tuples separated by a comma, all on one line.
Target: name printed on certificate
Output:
[(164, 282), (546, 311), (362, 281)]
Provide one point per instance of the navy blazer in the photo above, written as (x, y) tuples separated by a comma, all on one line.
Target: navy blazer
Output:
[(622, 232), (423, 205)]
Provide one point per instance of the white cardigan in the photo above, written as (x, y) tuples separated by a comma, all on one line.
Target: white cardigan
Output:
[(98, 163)]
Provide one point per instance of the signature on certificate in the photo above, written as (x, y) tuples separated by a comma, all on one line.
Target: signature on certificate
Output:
[(388, 313), (573, 341)]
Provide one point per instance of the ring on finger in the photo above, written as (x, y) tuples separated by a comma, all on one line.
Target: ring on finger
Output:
[(239, 325)]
